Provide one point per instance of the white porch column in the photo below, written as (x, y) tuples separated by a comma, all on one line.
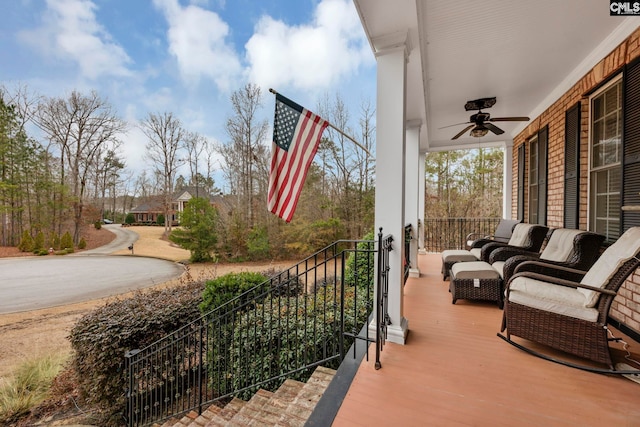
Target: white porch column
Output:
[(507, 180), (412, 193), (391, 55), (421, 202)]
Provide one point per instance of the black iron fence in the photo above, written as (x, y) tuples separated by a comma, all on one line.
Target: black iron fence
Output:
[(408, 236), (303, 317), (451, 233), (382, 294)]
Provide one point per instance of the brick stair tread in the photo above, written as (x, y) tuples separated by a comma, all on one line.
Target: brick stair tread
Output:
[(226, 414), (289, 406)]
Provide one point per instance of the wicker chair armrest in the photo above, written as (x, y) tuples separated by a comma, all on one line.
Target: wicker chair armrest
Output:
[(506, 252), (475, 236), (561, 282), (480, 242), (550, 268), (488, 248)]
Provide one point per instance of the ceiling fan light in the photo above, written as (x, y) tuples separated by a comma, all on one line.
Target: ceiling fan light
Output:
[(479, 132)]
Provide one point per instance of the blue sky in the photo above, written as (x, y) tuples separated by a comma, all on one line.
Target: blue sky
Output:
[(186, 56)]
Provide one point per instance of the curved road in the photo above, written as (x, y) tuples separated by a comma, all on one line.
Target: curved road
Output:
[(39, 282)]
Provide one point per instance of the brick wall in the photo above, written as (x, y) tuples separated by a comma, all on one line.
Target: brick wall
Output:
[(626, 307)]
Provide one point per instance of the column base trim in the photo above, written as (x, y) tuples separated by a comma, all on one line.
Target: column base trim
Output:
[(395, 334)]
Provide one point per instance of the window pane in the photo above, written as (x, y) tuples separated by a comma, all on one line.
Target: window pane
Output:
[(611, 100), (614, 206), (597, 108), (601, 206), (615, 176)]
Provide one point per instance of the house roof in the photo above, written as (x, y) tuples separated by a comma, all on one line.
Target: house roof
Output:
[(151, 206), (525, 53), (188, 192)]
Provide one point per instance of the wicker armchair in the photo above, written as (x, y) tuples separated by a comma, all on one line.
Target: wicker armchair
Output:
[(565, 247), (571, 316), (503, 232), (527, 237)]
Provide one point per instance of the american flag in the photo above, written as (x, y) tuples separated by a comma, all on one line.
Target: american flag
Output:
[(296, 136)]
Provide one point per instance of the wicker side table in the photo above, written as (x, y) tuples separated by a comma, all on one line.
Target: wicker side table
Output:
[(476, 280)]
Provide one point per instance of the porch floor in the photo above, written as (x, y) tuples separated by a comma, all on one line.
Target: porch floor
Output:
[(455, 371)]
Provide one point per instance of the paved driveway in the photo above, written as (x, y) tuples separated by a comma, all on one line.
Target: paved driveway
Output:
[(39, 282)]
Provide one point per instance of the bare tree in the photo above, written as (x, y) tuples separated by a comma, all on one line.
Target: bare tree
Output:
[(195, 144), (166, 137), (79, 126), (243, 154)]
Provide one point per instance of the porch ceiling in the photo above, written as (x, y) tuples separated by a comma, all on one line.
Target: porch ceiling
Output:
[(525, 53)]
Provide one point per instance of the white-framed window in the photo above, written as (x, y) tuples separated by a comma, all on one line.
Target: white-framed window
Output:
[(534, 172), (605, 154)]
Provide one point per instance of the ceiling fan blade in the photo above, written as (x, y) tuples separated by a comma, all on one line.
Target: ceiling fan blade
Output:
[(510, 119), (457, 124), (493, 128), (459, 134)]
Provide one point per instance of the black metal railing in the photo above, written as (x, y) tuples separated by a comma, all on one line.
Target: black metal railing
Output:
[(451, 233), (408, 236), (301, 318), (382, 294)]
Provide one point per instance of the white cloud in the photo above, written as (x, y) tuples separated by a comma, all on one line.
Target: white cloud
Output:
[(308, 56), (197, 39), (70, 32)]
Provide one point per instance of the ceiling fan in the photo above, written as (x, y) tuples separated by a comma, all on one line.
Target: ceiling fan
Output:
[(480, 123)]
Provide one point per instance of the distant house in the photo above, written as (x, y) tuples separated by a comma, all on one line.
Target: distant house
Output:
[(148, 211)]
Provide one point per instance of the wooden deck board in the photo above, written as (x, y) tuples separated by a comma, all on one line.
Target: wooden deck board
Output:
[(455, 371)]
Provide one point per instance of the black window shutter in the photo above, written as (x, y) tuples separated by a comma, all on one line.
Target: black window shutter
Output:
[(631, 146), (543, 143), (572, 167), (521, 172)]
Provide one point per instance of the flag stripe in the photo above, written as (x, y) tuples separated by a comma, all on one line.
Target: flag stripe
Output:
[(289, 167)]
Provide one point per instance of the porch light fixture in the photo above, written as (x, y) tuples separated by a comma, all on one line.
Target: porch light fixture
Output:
[(479, 132)]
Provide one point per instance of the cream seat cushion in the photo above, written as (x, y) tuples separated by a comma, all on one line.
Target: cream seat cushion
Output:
[(473, 270), (550, 297), (499, 267), (457, 255)]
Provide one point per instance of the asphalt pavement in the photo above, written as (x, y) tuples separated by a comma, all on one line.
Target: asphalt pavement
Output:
[(31, 283)]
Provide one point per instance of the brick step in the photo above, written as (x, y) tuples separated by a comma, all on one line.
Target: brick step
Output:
[(290, 405)]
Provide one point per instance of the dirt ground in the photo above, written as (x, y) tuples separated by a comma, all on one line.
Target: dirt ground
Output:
[(27, 335)]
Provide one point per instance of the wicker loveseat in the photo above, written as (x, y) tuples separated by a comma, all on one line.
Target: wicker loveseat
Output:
[(566, 315), (565, 247)]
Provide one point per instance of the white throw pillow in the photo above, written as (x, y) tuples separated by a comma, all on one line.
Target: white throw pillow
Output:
[(625, 248), (560, 245)]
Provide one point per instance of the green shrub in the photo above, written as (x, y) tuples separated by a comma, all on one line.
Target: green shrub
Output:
[(292, 332), (41, 252), (160, 220), (227, 287), (258, 243), (359, 267), (97, 225), (130, 219), (26, 242), (38, 242), (101, 338), (82, 244), (54, 240), (66, 242)]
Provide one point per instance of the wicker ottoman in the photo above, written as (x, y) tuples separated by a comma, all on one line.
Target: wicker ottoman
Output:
[(475, 280), (451, 256)]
